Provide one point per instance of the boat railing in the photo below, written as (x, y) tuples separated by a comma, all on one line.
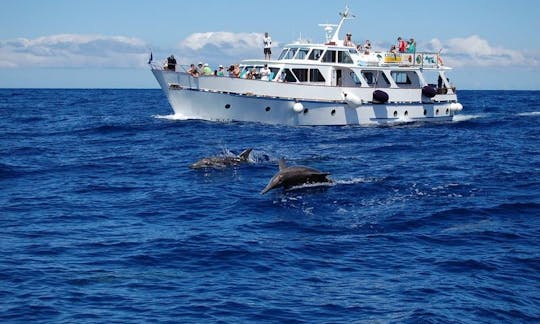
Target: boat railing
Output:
[(421, 59), (162, 65)]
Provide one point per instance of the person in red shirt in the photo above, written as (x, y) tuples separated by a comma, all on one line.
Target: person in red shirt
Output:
[(401, 45)]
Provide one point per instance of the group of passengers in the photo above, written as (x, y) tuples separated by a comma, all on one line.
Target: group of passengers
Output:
[(233, 71), (403, 46)]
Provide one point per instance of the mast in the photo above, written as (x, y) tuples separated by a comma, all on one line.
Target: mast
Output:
[(344, 16)]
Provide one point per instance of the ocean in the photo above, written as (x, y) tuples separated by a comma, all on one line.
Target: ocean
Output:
[(103, 221)]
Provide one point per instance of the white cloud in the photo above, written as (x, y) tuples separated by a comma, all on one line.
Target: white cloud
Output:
[(72, 50), (475, 51), (222, 47)]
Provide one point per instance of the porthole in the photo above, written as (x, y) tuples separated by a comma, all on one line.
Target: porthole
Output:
[(437, 112), (333, 112), (267, 108), (306, 111), (227, 106), (447, 111), (406, 113), (425, 112), (395, 114)]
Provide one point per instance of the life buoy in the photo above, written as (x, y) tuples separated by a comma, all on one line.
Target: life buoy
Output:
[(419, 59)]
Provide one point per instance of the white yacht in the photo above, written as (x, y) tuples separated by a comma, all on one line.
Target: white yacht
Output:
[(333, 83)]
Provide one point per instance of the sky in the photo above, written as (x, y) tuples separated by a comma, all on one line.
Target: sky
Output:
[(491, 44)]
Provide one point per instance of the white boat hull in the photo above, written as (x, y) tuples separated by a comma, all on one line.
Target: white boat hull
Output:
[(190, 100)]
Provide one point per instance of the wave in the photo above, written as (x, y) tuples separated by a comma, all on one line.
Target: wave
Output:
[(528, 114), (462, 118), (176, 117)]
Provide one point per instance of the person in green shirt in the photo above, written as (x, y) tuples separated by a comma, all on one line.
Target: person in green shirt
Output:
[(207, 70), (411, 46)]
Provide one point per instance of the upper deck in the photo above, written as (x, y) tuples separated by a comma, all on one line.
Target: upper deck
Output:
[(348, 55)]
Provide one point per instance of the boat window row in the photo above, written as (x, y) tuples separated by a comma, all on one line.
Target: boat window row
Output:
[(339, 77), (318, 54)]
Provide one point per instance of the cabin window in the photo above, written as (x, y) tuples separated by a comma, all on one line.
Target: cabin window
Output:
[(401, 77), (289, 76), (290, 54), (302, 53), (316, 76), (370, 78), (344, 57), (301, 74), (353, 51), (283, 53), (375, 77), (355, 78), (329, 56), (315, 54)]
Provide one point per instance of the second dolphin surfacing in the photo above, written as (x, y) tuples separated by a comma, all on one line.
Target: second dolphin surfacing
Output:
[(297, 175)]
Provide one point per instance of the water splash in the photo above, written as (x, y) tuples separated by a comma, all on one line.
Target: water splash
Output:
[(528, 114), (462, 118), (175, 117)]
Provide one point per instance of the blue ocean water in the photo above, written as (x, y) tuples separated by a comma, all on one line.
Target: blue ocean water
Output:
[(102, 220)]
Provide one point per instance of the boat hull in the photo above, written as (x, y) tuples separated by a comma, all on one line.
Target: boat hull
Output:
[(190, 101)]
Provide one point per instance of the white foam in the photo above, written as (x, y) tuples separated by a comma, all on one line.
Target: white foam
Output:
[(175, 117), (312, 185), (355, 181), (531, 113), (461, 118)]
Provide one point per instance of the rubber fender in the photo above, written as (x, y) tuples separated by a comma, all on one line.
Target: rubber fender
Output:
[(380, 96), (429, 91)]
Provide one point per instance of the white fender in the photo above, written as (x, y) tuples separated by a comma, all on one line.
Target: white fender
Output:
[(456, 106), (351, 99), (298, 107)]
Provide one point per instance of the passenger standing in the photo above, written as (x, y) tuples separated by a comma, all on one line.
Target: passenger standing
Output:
[(206, 69), (411, 46), (267, 46), (193, 71), (236, 71), (200, 68), (265, 73), (171, 63), (220, 71), (400, 45), (367, 47), (348, 40)]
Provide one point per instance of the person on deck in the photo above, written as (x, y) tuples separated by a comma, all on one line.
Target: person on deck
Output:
[(401, 45), (267, 41)]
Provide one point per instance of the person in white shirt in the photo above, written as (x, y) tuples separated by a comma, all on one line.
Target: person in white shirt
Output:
[(265, 73), (267, 46)]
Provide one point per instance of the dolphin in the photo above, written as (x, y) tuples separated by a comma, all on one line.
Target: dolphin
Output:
[(288, 177), (221, 162)]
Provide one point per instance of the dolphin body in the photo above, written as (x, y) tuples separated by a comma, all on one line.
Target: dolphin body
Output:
[(288, 177), (221, 162)]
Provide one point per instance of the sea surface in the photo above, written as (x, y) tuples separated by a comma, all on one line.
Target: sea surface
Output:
[(103, 221)]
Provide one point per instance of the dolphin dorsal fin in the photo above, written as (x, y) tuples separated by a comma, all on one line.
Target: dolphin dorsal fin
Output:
[(245, 154), (282, 164)]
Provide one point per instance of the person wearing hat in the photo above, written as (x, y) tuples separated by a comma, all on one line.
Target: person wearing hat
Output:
[(265, 73), (206, 69), (220, 71)]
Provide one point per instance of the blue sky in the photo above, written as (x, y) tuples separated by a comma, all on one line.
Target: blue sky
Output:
[(105, 44)]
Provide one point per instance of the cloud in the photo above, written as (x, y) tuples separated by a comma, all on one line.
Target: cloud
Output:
[(222, 47), (72, 50), (475, 51)]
